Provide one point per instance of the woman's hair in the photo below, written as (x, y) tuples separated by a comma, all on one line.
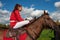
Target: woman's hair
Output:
[(16, 7)]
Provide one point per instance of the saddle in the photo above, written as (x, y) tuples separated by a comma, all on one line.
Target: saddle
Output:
[(14, 32)]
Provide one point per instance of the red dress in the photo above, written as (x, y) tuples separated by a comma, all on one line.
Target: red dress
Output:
[(17, 18)]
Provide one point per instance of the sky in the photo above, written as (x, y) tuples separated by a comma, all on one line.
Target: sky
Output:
[(30, 8)]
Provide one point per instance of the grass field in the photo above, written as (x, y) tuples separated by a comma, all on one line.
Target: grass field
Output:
[(47, 34)]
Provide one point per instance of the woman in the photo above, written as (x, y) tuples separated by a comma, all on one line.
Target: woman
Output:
[(16, 21)]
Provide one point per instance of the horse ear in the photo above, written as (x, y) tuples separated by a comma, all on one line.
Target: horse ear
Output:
[(45, 13)]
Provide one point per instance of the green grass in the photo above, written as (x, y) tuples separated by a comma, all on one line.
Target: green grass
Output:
[(46, 34)]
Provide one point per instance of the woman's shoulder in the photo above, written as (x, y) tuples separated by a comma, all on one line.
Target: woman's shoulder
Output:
[(16, 11)]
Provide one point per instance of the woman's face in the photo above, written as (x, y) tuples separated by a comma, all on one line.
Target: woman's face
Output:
[(20, 8)]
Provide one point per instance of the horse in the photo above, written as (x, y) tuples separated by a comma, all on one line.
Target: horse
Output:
[(35, 28)]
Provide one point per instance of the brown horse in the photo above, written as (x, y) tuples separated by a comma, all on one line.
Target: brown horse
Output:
[(35, 28)]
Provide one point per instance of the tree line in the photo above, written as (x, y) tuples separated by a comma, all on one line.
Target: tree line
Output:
[(4, 26)]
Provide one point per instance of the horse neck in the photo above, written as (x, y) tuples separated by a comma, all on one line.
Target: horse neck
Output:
[(35, 28)]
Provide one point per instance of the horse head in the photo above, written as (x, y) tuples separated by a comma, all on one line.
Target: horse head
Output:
[(48, 22)]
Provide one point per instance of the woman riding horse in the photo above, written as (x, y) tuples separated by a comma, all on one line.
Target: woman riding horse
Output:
[(16, 21)]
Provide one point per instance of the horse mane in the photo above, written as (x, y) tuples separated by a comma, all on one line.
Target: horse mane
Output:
[(39, 17), (34, 20)]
